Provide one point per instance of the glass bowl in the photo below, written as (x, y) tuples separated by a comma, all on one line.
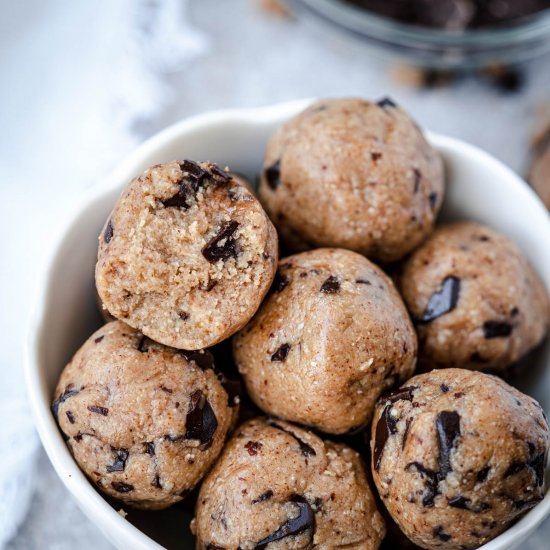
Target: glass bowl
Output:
[(529, 37)]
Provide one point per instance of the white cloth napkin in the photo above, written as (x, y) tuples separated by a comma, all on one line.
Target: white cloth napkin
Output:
[(78, 80)]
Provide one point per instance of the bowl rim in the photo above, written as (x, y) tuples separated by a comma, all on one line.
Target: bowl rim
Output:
[(87, 498)]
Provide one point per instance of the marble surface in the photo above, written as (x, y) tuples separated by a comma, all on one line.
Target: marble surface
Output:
[(250, 57)]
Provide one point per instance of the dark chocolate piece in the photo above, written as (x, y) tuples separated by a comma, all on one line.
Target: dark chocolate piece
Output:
[(121, 456), (306, 449), (295, 526), (440, 534), (431, 482), (386, 102), (448, 430), (331, 285), (281, 353), (264, 496), (68, 392), (150, 448), (280, 282), (223, 245), (202, 358), (108, 233), (399, 394), (273, 175), (442, 301), (386, 426), (497, 329), (121, 487), (98, 339), (70, 416), (417, 179), (482, 474), (98, 410), (201, 422)]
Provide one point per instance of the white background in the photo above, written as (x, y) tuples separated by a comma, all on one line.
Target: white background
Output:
[(82, 82)]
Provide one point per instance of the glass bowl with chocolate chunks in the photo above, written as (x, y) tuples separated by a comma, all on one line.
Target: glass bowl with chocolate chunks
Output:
[(442, 34)]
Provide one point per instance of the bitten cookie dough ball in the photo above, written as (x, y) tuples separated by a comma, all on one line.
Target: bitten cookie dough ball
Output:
[(143, 421), (329, 340), (352, 174), (476, 301), (457, 456), (187, 255), (276, 484)]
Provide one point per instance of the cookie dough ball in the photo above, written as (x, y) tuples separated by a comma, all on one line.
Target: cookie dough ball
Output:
[(457, 456), (329, 340), (278, 485), (143, 421), (187, 255), (353, 174), (476, 301)]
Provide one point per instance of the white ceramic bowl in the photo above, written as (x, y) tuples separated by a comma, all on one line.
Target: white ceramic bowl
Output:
[(65, 314)]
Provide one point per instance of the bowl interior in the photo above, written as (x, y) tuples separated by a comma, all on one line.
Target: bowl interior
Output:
[(479, 188)]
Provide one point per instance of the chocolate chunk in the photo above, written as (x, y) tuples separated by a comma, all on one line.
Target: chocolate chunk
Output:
[(194, 172), (331, 285), (144, 343), (273, 175), (447, 424), (497, 329), (281, 353), (431, 482), (375, 157), (514, 312), (182, 199), (460, 502), (121, 456), (405, 394), (386, 426), (183, 315), (219, 174), (150, 448), (363, 282), (202, 358), (440, 534), (99, 410), (482, 474), (68, 392), (108, 233), (156, 482), (432, 197), (98, 339), (294, 526), (280, 282), (201, 422), (121, 487), (253, 447), (386, 102), (232, 386), (417, 179), (525, 504), (306, 449), (223, 245), (442, 301), (444, 388), (514, 468), (264, 496), (165, 389), (537, 464)]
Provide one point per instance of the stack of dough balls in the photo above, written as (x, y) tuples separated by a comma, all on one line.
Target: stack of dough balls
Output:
[(325, 343)]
